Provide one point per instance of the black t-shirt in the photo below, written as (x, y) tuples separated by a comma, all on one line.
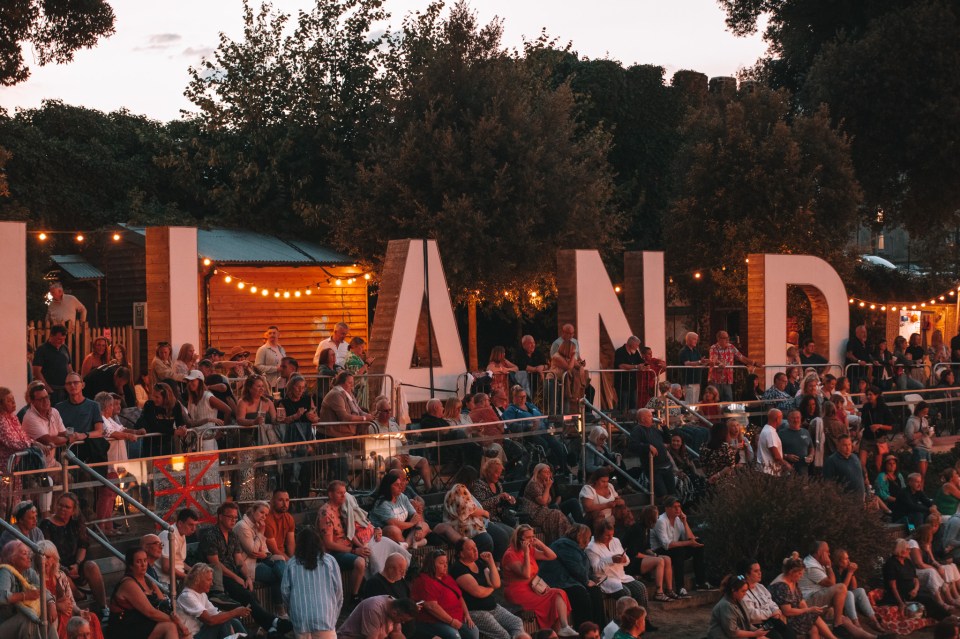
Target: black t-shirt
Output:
[(690, 376), (293, 406), (626, 380), (100, 380), (903, 574), (536, 358), (54, 363), (473, 603)]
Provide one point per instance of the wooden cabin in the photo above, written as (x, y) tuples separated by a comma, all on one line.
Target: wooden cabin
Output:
[(309, 289)]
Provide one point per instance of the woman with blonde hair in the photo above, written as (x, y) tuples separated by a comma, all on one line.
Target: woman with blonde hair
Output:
[(186, 361), (538, 500), (58, 585), (267, 360), (523, 586), (255, 560)]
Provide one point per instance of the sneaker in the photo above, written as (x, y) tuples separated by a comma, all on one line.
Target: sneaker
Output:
[(567, 631), (105, 616), (683, 594), (706, 585)]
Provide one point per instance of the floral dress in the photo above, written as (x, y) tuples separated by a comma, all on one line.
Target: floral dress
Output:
[(552, 522), (361, 391), (717, 460), (12, 440), (459, 510), (783, 594)]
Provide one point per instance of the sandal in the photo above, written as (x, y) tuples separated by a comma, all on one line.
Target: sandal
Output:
[(672, 594), (662, 596)]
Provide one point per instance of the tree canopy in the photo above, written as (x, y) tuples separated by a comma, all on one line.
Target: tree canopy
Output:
[(756, 179), (54, 29), (483, 154)]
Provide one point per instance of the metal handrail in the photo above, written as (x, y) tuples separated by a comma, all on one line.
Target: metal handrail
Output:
[(171, 552), (669, 396), (617, 469), (38, 566), (604, 417), (116, 553)]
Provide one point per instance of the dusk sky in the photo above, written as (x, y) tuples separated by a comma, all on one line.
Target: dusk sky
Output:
[(143, 66)]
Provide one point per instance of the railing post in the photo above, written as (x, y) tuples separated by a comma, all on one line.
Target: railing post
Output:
[(653, 498)]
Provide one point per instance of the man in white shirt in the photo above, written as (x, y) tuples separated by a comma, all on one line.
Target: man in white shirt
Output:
[(338, 342), (185, 526), (64, 307), (819, 585), (200, 617), (673, 538), (769, 447)]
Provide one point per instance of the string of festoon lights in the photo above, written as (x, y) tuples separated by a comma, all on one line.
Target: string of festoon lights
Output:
[(244, 284), (78, 236), (947, 297)]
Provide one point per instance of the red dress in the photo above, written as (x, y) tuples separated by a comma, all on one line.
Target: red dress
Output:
[(518, 591)]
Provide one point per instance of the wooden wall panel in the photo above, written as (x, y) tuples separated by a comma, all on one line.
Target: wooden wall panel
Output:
[(238, 317), (157, 261)]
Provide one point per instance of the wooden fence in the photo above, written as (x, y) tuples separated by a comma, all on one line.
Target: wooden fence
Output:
[(80, 337)]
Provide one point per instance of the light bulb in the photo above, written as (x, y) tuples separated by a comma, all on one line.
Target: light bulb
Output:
[(616, 289), (253, 289), (206, 261), (286, 294), (697, 275), (116, 237), (227, 279), (276, 293), (79, 237), (241, 285), (366, 276), (338, 282), (296, 294), (42, 237), (883, 308), (308, 292), (264, 292)]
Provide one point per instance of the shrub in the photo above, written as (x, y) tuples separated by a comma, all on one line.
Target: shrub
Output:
[(752, 514)]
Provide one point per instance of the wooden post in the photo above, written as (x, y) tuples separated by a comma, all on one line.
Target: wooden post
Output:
[(473, 360)]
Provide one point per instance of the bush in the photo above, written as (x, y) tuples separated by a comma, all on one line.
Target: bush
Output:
[(752, 514)]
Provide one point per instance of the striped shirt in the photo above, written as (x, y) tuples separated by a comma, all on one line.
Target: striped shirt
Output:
[(313, 597)]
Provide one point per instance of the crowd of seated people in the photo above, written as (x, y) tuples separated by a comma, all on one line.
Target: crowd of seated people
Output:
[(552, 565)]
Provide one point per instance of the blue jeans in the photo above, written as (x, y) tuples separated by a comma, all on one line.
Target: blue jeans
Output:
[(270, 573)]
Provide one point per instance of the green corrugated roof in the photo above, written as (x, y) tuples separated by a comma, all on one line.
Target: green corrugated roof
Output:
[(239, 246), (77, 267)]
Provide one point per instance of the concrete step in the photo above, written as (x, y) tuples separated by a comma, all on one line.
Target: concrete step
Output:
[(698, 598)]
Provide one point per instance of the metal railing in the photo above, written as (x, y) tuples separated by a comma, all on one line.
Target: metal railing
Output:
[(542, 388), (173, 537), (38, 566)]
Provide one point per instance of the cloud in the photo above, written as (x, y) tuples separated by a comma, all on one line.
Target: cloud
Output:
[(159, 41), (198, 52)]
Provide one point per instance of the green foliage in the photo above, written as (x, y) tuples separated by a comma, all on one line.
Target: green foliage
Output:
[(796, 30), (753, 178), (755, 515), (481, 153), (896, 92), (72, 167), (52, 29), (284, 110)]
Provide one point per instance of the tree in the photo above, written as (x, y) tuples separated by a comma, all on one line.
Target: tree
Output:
[(481, 153), (55, 29), (642, 115), (896, 92), (755, 179), (283, 112), (71, 167), (797, 30)]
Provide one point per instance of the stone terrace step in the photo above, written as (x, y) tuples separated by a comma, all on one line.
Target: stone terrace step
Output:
[(697, 599)]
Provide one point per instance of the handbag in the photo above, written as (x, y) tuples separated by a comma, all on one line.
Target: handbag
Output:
[(538, 585)]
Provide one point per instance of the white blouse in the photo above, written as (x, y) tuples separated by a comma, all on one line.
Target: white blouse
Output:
[(601, 560)]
